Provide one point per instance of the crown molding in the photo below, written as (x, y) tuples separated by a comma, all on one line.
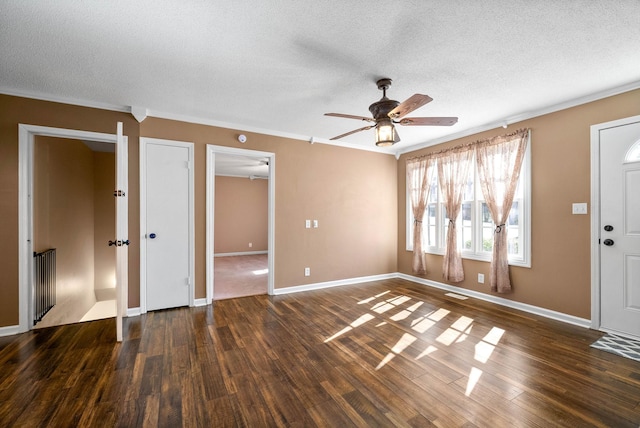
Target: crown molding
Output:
[(524, 116)]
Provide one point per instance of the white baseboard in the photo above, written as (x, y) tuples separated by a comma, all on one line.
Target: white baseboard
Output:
[(9, 330), (329, 284), (133, 312), (200, 302), (547, 313), (243, 253)]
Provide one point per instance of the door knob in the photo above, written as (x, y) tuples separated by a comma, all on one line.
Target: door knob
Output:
[(608, 242), (152, 235), (608, 228)]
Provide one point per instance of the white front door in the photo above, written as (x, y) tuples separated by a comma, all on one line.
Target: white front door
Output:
[(620, 228), (167, 207)]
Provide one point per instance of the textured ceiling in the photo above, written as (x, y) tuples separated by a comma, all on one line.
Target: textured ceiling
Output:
[(278, 66)]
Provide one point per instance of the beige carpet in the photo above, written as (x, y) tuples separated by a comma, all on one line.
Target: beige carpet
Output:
[(238, 276)]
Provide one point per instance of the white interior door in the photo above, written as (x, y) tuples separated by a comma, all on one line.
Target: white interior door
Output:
[(122, 230), (620, 228), (168, 224)]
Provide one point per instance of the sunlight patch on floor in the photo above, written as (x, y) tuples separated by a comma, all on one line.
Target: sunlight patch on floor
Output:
[(429, 350), (474, 377), (403, 314), (370, 299), (101, 310), (424, 323), (458, 332), (363, 319), (402, 344), (485, 347)]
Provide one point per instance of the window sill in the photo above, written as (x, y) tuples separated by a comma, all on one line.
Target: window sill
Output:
[(480, 258)]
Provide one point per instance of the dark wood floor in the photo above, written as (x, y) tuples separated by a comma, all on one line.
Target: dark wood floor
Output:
[(388, 353)]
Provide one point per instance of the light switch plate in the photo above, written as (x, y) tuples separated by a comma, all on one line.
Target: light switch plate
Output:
[(307, 224)]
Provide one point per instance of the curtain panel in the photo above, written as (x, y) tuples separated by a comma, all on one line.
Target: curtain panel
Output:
[(420, 172), (499, 161), (453, 171)]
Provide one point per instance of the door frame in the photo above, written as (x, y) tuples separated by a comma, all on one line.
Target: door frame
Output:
[(210, 201), (26, 140), (143, 217), (595, 214)]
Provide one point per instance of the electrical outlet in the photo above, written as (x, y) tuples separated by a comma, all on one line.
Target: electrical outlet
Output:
[(315, 224), (250, 244), (307, 224), (579, 208), (307, 271), (481, 278)]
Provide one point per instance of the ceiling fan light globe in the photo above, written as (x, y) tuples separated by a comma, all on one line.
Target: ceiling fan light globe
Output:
[(386, 134), (385, 143)]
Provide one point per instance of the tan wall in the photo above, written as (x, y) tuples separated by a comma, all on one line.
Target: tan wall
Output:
[(15, 110), (352, 193), (559, 278), (104, 219), (357, 196), (63, 217), (241, 212)]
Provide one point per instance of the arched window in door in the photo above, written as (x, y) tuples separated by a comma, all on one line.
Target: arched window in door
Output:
[(633, 155)]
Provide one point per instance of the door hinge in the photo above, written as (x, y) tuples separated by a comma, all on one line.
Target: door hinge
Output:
[(118, 193), (119, 243), (188, 280), (188, 164)]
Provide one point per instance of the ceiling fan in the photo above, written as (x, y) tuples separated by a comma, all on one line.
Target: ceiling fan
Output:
[(388, 112)]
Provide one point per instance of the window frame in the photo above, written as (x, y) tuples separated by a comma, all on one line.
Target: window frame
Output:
[(476, 208)]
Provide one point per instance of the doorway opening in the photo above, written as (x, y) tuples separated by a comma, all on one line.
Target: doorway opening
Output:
[(56, 186), (74, 217), (240, 222)]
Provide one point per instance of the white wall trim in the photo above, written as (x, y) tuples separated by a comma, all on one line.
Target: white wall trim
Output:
[(143, 217), (536, 310), (210, 204), (10, 330), (200, 302), (133, 312), (330, 284), (547, 313), (242, 253), (396, 152), (26, 138), (528, 115)]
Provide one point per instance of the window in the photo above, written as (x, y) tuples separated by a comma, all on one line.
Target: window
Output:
[(474, 224), (634, 153)]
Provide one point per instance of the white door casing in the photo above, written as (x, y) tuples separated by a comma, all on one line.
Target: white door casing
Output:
[(616, 228), (211, 161), (167, 265), (26, 139)]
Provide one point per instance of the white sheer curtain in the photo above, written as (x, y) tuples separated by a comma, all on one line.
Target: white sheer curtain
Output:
[(499, 162), (419, 173), (453, 171)]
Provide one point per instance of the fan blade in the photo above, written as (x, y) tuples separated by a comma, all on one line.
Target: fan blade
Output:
[(352, 132), (410, 104), (428, 121), (349, 116)]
